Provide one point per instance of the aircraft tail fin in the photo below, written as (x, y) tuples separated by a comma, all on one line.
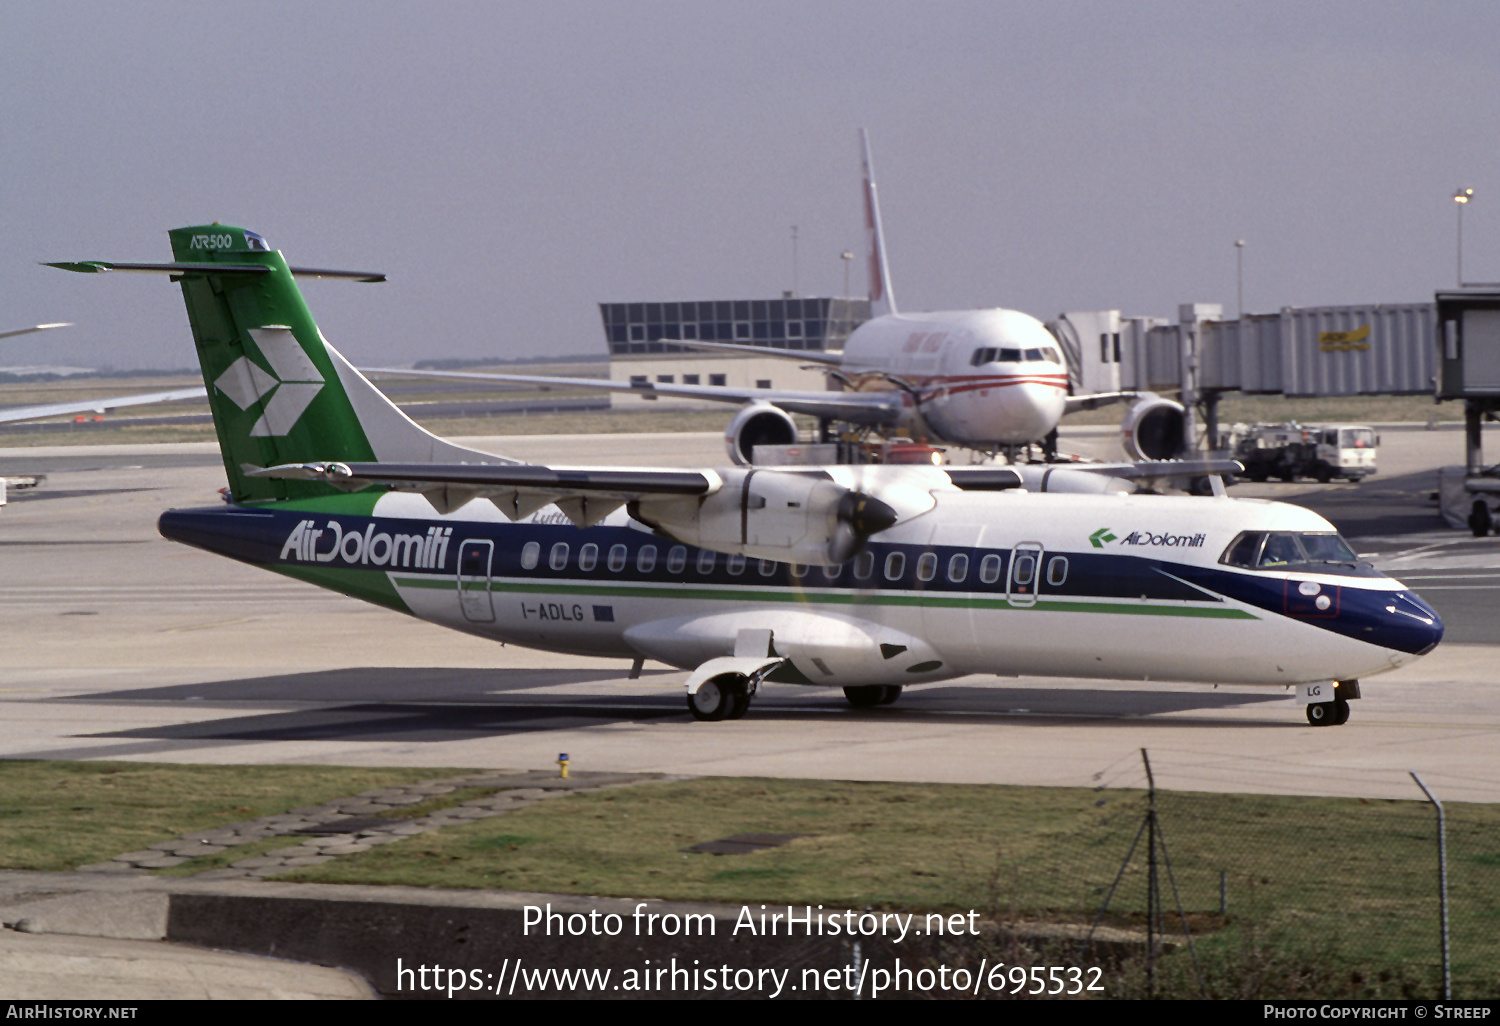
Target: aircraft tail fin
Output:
[(880, 274), (278, 391)]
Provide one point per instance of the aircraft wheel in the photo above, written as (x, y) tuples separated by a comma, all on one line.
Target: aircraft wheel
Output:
[(740, 704), (865, 696), (889, 694), (1323, 714), (1480, 520), (1340, 712), (712, 701)]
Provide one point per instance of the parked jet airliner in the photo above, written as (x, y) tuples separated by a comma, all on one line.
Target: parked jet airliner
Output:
[(865, 578), (990, 379)]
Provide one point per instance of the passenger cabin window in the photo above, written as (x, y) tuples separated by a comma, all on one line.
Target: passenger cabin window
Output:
[(1057, 570), (530, 554), (676, 559), (958, 568), (706, 559), (558, 559), (767, 567), (895, 566), (927, 566), (989, 569), (864, 566), (735, 565), (1025, 567), (645, 560), (617, 556), (588, 556)]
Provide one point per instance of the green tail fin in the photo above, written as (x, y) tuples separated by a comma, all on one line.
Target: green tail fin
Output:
[(279, 392)]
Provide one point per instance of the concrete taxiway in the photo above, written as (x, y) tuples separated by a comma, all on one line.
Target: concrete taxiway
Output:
[(121, 645)]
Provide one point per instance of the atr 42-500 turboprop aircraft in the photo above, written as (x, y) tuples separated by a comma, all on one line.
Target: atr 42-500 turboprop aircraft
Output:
[(867, 578), (991, 380)]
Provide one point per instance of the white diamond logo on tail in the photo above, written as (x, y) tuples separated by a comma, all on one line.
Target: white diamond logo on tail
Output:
[(293, 388)]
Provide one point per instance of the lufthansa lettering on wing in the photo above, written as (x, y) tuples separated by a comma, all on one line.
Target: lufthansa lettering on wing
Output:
[(1176, 541)]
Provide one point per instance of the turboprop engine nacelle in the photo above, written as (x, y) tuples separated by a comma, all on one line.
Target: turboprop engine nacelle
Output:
[(1153, 429), (758, 424), (768, 514)]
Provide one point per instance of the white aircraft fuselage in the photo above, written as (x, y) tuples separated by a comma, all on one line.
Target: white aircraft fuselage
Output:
[(976, 377)]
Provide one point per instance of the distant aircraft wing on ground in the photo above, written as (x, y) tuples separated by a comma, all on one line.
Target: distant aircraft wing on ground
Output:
[(33, 328), (854, 407), (19, 413)]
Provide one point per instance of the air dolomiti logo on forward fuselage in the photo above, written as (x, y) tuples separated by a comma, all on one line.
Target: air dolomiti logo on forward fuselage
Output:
[(1103, 536), (309, 543)]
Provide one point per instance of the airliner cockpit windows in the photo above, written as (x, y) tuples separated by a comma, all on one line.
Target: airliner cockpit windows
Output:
[(1010, 356), (1323, 551)]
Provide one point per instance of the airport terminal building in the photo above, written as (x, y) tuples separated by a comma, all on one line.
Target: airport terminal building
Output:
[(639, 350)]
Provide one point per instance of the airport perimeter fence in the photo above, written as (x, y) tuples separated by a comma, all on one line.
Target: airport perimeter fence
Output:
[(1283, 897)]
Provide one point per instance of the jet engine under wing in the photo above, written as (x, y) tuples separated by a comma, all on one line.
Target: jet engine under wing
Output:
[(18, 413), (853, 407)]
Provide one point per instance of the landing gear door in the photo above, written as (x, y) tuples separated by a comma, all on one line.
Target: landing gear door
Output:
[(1025, 574), (474, 581)]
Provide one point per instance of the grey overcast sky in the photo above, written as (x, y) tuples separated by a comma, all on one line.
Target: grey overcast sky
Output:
[(510, 165)]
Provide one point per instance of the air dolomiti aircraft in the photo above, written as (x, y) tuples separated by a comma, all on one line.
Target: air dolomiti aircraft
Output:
[(866, 578), (990, 379)]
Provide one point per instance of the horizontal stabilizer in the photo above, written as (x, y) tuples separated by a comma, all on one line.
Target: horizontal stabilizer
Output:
[(100, 266)]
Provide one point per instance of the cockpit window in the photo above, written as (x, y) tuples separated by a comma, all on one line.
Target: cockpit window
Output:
[(1010, 356), (254, 241), (1320, 551), (1034, 356)]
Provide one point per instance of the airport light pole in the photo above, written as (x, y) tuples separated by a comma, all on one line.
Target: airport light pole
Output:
[(1239, 278), (1461, 197)]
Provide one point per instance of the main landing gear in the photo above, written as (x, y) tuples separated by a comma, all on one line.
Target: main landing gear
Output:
[(872, 694), (725, 697)]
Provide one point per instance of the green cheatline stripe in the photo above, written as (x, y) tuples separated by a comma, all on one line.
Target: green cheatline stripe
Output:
[(831, 598)]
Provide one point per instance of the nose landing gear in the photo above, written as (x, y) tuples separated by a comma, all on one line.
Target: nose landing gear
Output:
[(1328, 714)]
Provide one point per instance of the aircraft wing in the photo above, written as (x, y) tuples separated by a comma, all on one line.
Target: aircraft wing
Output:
[(855, 407), (19, 413), (802, 356), (35, 327), (1098, 399), (585, 496)]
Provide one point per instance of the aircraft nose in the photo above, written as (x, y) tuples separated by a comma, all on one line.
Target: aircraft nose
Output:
[(1415, 622)]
